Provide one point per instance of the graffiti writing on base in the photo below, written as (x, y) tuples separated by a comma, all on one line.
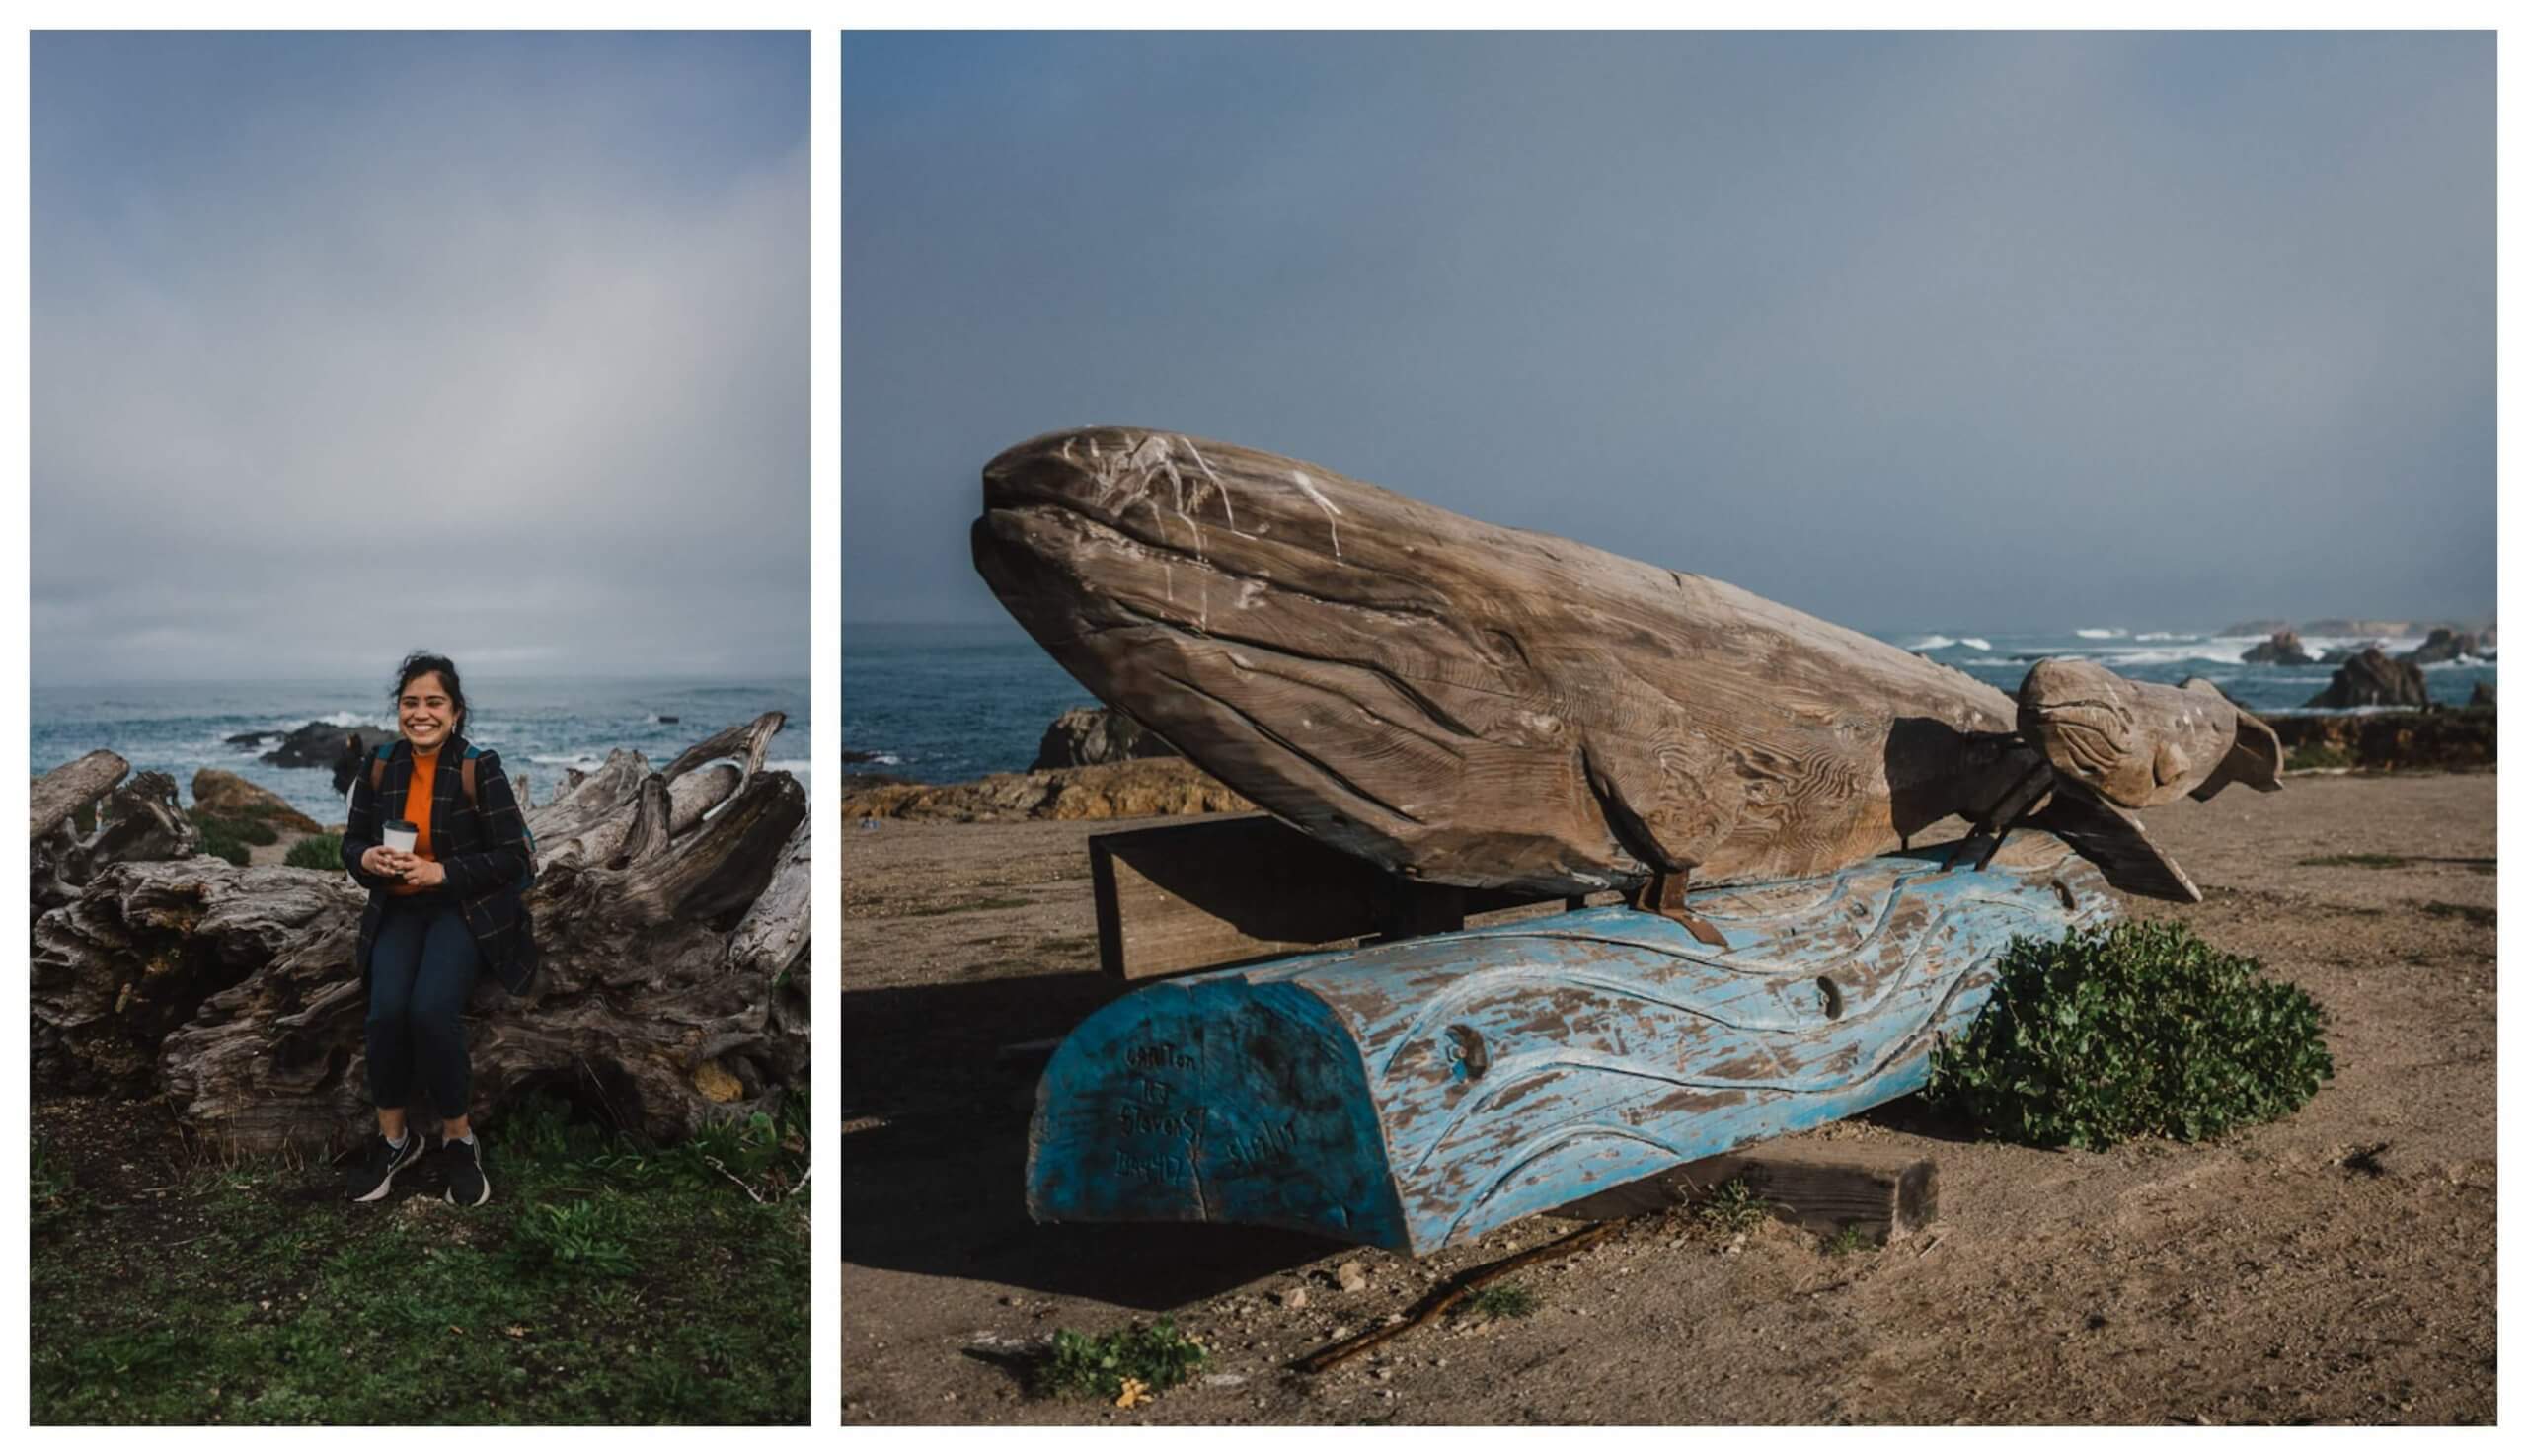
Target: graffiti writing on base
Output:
[(1159, 1056), (1168, 1167), (1140, 1121), (1259, 1150)]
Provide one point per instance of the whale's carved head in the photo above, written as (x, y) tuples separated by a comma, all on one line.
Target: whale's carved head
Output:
[(2143, 744)]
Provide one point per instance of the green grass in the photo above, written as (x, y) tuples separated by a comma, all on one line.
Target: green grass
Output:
[(2358, 862), (2316, 755), (607, 1283), (1154, 1355), (316, 852), (2142, 1030), (1731, 1208), (1846, 1240), (1503, 1302), (230, 835)]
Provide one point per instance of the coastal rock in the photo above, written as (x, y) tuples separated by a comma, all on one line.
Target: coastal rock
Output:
[(2374, 679), (2259, 627), (1085, 736), (2445, 644), (2380, 742), (1135, 789), (218, 792), (317, 744), (2284, 649), (2337, 656), (2482, 696)]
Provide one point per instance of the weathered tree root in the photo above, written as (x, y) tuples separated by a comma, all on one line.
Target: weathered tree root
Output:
[(673, 912)]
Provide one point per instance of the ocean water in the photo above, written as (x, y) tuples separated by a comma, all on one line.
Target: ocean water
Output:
[(539, 726), (940, 704)]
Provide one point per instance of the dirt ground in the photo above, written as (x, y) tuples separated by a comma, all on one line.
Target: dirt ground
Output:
[(2334, 1267)]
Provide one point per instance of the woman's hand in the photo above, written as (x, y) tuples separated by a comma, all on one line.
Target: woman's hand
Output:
[(424, 873), (382, 862)]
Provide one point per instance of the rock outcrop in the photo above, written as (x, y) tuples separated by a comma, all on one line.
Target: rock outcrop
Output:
[(2445, 644), (2385, 741), (2284, 649), (1135, 789), (316, 745), (218, 792), (2482, 697), (2374, 679), (1085, 736)]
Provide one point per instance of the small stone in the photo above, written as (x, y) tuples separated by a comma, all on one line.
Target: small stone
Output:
[(1294, 1298), (1351, 1277), (1341, 1331)]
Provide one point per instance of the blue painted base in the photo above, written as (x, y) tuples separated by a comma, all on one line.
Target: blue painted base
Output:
[(1417, 1094)]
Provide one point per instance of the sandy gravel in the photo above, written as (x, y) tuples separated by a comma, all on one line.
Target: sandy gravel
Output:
[(2337, 1266)]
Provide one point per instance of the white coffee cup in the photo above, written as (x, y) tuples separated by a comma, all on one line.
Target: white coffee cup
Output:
[(401, 835)]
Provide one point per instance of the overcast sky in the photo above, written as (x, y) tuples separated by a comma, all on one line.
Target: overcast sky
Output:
[(1915, 333), (346, 344)]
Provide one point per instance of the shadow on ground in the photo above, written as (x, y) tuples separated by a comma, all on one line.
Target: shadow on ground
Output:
[(934, 1154)]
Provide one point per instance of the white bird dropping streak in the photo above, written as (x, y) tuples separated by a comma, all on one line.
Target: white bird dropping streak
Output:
[(1329, 507)]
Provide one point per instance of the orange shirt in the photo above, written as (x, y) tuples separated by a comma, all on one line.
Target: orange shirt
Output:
[(417, 809)]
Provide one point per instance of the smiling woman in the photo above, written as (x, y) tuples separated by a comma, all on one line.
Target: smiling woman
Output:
[(444, 882)]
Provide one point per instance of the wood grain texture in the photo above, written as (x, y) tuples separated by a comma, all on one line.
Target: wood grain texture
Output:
[(1470, 705), (671, 909), (1193, 896), (1418, 1093), (55, 796), (1825, 1190)]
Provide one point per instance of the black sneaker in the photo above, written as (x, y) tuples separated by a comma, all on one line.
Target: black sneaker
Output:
[(379, 1161), (462, 1165)]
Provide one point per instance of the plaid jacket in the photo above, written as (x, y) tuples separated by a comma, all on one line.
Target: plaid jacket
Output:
[(481, 847)]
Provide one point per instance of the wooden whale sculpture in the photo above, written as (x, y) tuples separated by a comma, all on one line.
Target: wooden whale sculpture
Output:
[(1479, 706)]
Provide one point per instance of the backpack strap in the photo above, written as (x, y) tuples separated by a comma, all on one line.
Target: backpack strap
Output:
[(377, 766), (465, 774)]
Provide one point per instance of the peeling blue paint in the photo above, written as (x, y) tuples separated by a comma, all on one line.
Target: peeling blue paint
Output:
[(1420, 1092)]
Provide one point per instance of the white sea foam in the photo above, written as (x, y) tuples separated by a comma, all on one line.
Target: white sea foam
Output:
[(2096, 633), (1931, 644), (1976, 643), (349, 719)]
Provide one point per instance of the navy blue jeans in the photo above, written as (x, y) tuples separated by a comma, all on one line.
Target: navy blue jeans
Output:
[(420, 974)]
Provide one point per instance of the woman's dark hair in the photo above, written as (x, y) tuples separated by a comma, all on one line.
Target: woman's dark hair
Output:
[(420, 663)]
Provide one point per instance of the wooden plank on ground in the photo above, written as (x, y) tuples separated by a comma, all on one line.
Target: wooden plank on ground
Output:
[(1824, 1189), (1226, 891)]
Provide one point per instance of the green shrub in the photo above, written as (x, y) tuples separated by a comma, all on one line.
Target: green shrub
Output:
[(1503, 1302), (316, 852), (219, 840), (1731, 1208), (2315, 756), (1154, 1355), (2139, 1030)]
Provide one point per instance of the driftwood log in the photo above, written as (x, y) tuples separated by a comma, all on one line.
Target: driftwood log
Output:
[(671, 907), (137, 821), (1482, 706)]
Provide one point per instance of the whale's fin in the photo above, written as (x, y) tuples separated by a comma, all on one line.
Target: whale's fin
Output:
[(2114, 841)]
